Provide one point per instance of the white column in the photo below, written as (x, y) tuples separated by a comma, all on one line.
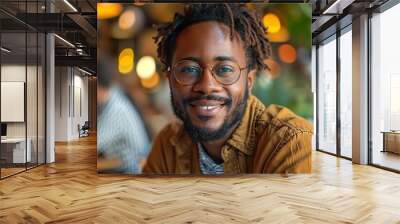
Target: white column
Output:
[(360, 90), (50, 93)]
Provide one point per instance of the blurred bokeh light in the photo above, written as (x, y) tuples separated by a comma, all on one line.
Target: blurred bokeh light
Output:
[(126, 61), (287, 53), (272, 23), (146, 67), (108, 10), (151, 82), (279, 37), (127, 20)]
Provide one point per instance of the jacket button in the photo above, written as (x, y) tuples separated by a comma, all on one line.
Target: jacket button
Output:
[(225, 153)]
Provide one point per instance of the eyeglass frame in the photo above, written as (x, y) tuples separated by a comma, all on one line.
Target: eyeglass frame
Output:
[(171, 69)]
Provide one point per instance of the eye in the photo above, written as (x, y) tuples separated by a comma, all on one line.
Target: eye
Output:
[(189, 70), (224, 70)]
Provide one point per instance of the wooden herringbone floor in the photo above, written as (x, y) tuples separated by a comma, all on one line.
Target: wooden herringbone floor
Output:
[(70, 191)]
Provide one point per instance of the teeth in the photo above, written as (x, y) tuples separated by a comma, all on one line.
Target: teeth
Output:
[(208, 107)]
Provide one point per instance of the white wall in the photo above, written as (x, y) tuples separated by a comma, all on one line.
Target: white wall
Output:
[(61, 103), (16, 73), (71, 93), (80, 109)]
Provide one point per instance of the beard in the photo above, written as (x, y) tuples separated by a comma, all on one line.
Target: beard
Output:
[(199, 134)]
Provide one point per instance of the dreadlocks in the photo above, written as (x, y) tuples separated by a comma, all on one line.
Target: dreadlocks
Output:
[(236, 16)]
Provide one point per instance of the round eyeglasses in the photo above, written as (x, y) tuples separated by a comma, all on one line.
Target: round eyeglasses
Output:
[(188, 72)]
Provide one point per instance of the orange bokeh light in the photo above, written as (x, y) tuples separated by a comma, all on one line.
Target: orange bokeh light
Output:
[(125, 61), (272, 23), (280, 37), (287, 53), (151, 82), (127, 20), (108, 10)]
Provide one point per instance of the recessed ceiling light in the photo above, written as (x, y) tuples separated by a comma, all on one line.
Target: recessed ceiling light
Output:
[(65, 41), (5, 50), (84, 71), (70, 5)]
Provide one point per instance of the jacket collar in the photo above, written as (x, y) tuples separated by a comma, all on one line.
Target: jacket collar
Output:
[(181, 141), (186, 151), (244, 136)]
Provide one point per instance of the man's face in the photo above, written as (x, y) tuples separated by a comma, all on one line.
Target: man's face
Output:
[(208, 108)]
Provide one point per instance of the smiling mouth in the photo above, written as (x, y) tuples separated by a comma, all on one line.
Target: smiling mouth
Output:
[(206, 108)]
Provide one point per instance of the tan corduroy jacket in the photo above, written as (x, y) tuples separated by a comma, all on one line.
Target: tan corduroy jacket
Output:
[(267, 140)]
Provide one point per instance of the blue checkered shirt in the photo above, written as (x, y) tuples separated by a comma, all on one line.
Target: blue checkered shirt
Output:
[(121, 132), (207, 164)]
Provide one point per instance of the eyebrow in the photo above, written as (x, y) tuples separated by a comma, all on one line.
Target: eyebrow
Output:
[(191, 59), (218, 58), (225, 58)]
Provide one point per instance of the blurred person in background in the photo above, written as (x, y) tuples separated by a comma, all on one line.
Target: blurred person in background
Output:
[(122, 140), (211, 54)]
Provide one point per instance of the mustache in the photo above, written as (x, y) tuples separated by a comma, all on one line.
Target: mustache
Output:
[(226, 100)]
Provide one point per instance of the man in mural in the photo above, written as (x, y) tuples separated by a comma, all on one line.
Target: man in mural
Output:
[(119, 148), (212, 53)]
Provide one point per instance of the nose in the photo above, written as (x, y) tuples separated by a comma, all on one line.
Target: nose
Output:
[(207, 83)]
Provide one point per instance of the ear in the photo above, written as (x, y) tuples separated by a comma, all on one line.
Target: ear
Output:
[(168, 71), (169, 78), (251, 77)]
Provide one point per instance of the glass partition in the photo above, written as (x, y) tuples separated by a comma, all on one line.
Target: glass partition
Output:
[(22, 88), (15, 151), (31, 100), (327, 96), (346, 93), (385, 89)]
